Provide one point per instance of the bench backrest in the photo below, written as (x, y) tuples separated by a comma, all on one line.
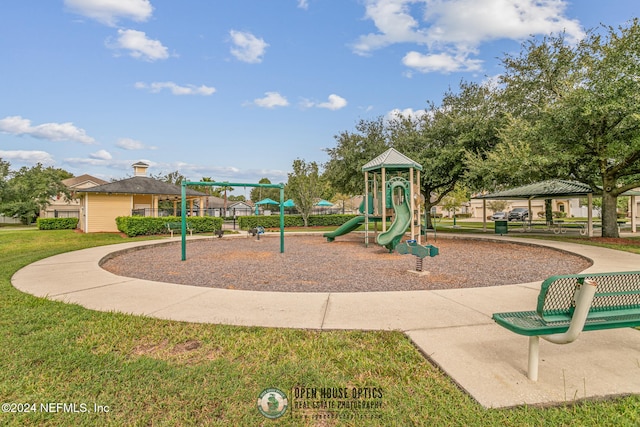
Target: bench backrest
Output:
[(616, 292), (176, 225)]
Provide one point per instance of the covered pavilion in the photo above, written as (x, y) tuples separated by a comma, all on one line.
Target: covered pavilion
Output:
[(551, 189)]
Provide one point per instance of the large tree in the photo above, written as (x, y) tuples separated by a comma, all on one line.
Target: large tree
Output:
[(29, 190), (304, 186), (574, 113), (439, 139), (4, 177), (353, 150)]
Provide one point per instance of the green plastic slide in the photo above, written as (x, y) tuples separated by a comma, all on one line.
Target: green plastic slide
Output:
[(345, 228), (393, 235)]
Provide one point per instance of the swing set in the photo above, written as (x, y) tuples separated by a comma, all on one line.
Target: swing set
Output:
[(226, 184)]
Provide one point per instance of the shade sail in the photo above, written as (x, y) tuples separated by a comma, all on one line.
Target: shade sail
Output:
[(324, 203), (267, 201)]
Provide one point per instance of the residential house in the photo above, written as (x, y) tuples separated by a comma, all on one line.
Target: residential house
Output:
[(62, 207)]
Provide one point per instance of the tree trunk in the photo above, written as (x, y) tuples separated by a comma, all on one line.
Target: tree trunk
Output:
[(609, 214), (548, 211), (427, 210)]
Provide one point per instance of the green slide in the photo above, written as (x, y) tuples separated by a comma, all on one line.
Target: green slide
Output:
[(393, 235), (345, 228)]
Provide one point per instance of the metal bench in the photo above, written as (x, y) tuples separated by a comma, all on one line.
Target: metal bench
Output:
[(568, 305), (177, 226)]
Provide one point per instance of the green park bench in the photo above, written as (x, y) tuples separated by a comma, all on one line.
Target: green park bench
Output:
[(177, 226), (568, 305)]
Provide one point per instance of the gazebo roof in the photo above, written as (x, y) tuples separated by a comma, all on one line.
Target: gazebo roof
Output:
[(141, 185), (391, 159), (553, 188)]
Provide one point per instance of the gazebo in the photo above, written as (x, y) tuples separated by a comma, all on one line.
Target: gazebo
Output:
[(551, 189)]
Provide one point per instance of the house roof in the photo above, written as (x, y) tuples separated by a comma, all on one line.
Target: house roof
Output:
[(550, 189), (391, 159), (83, 181), (214, 202), (245, 203), (141, 185)]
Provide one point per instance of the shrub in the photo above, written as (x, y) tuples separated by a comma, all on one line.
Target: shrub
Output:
[(57, 223), (273, 221), (269, 221), (145, 226)]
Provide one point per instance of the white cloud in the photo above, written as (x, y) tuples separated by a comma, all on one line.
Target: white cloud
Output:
[(303, 4), (17, 125), (247, 47), (124, 165), (175, 89), (470, 22), (132, 144), (271, 100), (27, 156), (442, 62), (395, 23), (101, 155), (109, 12), (408, 113), (453, 30), (335, 102), (139, 46)]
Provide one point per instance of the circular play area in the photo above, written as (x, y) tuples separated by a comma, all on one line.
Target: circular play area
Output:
[(312, 264)]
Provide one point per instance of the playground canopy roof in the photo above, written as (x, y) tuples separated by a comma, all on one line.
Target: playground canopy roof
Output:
[(550, 189), (289, 203), (391, 159), (324, 203)]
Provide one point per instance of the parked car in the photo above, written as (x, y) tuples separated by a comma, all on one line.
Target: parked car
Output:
[(498, 216), (519, 214)]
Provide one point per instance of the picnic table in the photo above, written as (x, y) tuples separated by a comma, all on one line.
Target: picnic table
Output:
[(555, 226)]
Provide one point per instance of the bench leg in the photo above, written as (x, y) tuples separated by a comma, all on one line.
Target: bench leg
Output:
[(534, 350)]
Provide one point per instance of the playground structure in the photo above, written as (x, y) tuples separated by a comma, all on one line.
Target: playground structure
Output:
[(392, 191)]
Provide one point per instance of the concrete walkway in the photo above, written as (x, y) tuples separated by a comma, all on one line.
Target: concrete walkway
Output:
[(453, 328)]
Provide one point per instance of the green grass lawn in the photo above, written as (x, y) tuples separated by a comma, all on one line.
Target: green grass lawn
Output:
[(141, 371)]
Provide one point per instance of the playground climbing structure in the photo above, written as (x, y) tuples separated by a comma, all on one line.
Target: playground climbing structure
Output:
[(392, 190)]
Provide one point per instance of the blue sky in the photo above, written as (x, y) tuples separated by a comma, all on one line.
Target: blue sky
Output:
[(237, 90)]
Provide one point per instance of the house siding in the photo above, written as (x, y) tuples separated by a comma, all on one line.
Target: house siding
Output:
[(104, 209)]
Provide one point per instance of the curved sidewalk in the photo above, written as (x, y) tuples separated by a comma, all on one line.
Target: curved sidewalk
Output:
[(451, 327)]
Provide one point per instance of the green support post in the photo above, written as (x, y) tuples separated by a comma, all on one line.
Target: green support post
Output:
[(281, 218), (183, 204)]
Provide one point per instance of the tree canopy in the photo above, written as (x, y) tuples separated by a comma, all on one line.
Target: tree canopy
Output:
[(439, 139), (25, 192), (261, 193), (572, 113), (558, 110), (304, 186)]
